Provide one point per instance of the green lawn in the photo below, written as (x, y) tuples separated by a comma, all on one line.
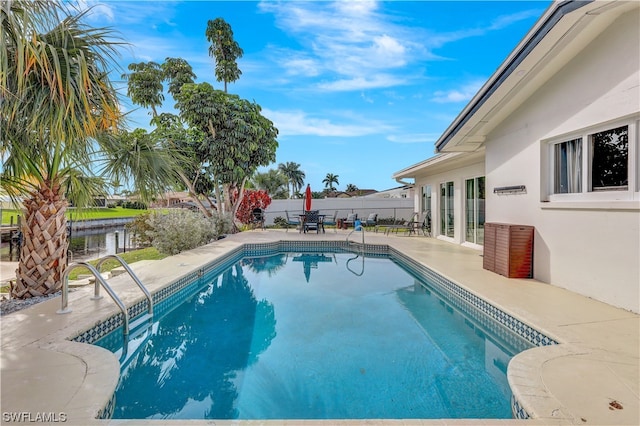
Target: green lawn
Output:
[(150, 253), (86, 214)]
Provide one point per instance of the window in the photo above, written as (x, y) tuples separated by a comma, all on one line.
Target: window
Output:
[(474, 210), (610, 159), (446, 209), (568, 167), (600, 163)]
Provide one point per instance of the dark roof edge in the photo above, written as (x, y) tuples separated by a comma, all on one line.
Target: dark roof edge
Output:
[(561, 9)]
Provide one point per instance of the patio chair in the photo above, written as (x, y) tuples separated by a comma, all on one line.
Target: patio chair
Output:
[(313, 220), (372, 220), (257, 218), (295, 221), (426, 225), (408, 227), (332, 221)]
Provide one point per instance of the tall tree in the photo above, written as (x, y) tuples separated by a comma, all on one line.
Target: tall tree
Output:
[(351, 188), (239, 139), (225, 50), (294, 175), (329, 180), (58, 114)]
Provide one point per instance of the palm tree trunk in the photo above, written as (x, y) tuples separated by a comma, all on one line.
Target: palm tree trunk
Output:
[(43, 255)]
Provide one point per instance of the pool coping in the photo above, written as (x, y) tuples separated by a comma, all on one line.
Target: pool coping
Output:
[(92, 368)]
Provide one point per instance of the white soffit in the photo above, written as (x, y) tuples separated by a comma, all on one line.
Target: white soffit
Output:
[(440, 163)]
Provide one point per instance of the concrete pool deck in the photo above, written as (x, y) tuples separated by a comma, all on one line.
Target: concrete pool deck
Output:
[(591, 377)]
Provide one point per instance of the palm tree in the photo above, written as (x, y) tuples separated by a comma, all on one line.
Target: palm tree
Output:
[(59, 112), (294, 175), (273, 181), (329, 180), (351, 188)]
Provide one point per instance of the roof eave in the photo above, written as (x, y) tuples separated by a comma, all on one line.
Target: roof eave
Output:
[(545, 24)]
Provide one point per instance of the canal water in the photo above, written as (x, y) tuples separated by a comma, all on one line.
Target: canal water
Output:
[(85, 244)]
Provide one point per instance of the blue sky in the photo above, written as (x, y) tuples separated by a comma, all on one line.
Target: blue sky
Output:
[(360, 89)]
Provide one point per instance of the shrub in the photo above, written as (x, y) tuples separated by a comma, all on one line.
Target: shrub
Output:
[(180, 230), (280, 222), (221, 224), (140, 228), (386, 220), (252, 199), (136, 205)]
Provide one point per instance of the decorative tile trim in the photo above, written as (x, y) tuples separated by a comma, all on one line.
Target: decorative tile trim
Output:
[(107, 412), (518, 412), (462, 297)]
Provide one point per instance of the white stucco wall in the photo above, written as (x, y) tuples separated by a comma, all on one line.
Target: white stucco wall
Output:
[(588, 246), (400, 208)]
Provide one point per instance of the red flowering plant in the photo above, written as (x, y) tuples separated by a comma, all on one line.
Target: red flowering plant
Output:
[(252, 199)]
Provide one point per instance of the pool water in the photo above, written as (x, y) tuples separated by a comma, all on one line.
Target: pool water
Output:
[(314, 336)]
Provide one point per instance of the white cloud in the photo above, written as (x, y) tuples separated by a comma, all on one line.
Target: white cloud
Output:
[(297, 123), (414, 138), (302, 66), (461, 94), (360, 83), (354, 40), (505, 20)]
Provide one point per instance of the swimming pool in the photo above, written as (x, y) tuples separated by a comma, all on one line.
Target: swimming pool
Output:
[(286, 336)]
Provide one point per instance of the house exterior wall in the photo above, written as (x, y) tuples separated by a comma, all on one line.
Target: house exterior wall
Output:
[(458, 176), (590, 245)]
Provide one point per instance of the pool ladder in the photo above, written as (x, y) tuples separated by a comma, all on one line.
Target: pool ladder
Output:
[(145, 319), (356, 228)]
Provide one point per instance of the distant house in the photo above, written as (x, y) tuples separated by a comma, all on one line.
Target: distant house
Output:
[(109, 199), (404, 191), (552, 140), (351, 194), (179, 199), (173, 198)]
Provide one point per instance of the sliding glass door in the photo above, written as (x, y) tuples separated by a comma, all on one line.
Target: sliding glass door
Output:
[(474, 210), (446, 209)]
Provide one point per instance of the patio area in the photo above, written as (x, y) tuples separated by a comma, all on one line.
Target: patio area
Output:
[(591, 377)]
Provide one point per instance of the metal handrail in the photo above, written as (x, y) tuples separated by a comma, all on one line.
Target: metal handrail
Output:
[(99, 281), (96, 293), (359, 274), (357, 228)]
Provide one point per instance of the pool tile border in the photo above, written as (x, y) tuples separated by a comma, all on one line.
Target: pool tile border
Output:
[(463, 297)]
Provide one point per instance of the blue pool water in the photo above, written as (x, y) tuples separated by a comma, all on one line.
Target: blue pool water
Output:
[(314, 336)]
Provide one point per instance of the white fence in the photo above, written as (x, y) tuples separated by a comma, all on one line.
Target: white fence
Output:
[(397, 208)]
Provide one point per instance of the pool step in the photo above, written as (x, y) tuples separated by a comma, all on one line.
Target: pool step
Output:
[(140, 325)]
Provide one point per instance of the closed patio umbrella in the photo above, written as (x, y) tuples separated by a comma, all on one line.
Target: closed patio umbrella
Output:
[(307, 198)]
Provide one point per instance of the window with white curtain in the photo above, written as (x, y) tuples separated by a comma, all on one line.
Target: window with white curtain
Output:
[(567, 173), (602, 159)]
